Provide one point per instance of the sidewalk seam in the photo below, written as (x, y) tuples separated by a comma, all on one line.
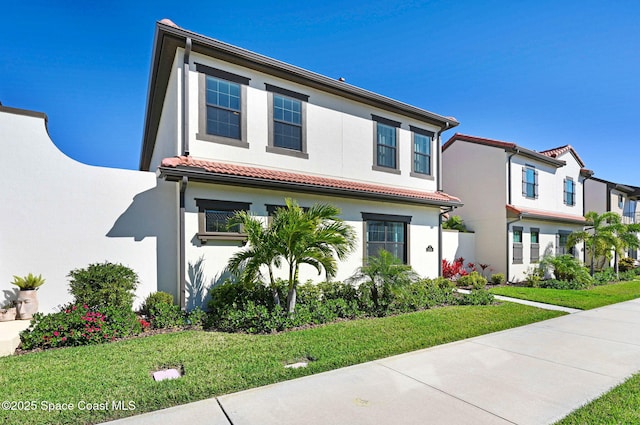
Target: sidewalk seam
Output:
[(224, 411), (444, 392)]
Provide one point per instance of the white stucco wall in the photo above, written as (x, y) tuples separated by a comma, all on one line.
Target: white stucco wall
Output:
[(58, 214), (215, 254), (457, 244), (477, 174), (340, 133)]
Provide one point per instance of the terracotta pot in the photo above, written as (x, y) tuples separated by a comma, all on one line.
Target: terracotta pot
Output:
[(27, 304), (8, 314)]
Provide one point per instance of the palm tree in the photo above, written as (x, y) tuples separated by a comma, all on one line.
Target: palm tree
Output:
[(602, 237), (262, 250), (627, 239), (383, 272), (315, 237)]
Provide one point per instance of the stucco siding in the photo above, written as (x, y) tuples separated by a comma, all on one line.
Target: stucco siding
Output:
[(423, 229), (59, 215)]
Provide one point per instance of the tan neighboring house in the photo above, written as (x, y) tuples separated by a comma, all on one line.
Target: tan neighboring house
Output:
[(520, 203), (605, 196), (233, 130)]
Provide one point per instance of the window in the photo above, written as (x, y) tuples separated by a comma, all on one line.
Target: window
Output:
[(569, 191), (388, 232), (421, 166), (386, 145), (620, 201), (213, 217), (222, 107), (517, 245), (561, 243), (287, 110), (529, 182), (535, 245)]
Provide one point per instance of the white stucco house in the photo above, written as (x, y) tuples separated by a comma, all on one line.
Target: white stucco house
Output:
[(520, 203), (229, 130), (605, 196)]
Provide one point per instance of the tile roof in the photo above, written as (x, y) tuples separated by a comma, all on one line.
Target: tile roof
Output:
[(546, 215), (556, 152), (309, 181)]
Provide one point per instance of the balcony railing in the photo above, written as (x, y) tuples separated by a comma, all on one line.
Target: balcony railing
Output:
[(631, 218)]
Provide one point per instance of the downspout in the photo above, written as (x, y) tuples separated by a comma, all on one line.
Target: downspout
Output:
[(515, 152), (509, 223), (584, 211), (182, 262), (182, 232), (442, 213), (185, 97)]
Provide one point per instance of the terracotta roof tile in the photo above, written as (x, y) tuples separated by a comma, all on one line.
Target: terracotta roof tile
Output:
[(545, 215), (556, 152), (219, 168)]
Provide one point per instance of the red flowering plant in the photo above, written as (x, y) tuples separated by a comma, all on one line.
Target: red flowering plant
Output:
[(79, 324), (454, 270)]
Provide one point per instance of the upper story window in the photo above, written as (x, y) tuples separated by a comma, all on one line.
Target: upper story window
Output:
[(620, 201), (287, 116), (213, 218), (421, 150), (386, 145), (222, 107), (569, 191), (388, 232), (529, 182)]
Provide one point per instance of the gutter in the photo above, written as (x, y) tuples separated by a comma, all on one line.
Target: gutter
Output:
[(182, 263)]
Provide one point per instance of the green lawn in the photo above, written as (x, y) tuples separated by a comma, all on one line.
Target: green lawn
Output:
[(583, 299), (621, 405), (218, 363)]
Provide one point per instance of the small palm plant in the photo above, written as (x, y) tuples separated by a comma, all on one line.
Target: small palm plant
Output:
[(29, 282)]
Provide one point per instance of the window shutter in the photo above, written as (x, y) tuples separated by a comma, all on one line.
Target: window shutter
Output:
[(557, 244), (565, 193), (524, 182), (535, 180)]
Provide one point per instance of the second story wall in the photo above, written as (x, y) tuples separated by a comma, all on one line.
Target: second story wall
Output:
[(339, 136)]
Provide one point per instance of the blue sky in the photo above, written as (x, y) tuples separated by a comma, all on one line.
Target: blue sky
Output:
[(538, 73)]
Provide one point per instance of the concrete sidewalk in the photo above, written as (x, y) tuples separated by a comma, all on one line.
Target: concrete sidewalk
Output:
[(534, 374)]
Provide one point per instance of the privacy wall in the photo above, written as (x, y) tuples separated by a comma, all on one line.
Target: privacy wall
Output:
[(58, 215)]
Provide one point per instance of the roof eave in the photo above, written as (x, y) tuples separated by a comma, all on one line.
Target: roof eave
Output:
[(199, 175)]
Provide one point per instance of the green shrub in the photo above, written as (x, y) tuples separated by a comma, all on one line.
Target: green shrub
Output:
[(605, 276), (626, 264), (476, 297), (164, 316), (533, 276), (153, 299), (424, 293), (455, 223), (444, 283), (568, 268), (562, 284), (498, 279), (104, 284), (79, 324), (628, 275), (29, 282), (196, 317), (473, 280)]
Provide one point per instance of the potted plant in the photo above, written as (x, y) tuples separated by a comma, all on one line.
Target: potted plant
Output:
[(27, 302), (7, 312)]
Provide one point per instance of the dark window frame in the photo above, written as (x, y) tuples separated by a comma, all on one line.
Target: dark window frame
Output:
[(526, 184), (204, 72), (386, 218), (205, 205), (534, 249), (273, 91), (430, 135), (518, 255), (395, 125), (569, 196)]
